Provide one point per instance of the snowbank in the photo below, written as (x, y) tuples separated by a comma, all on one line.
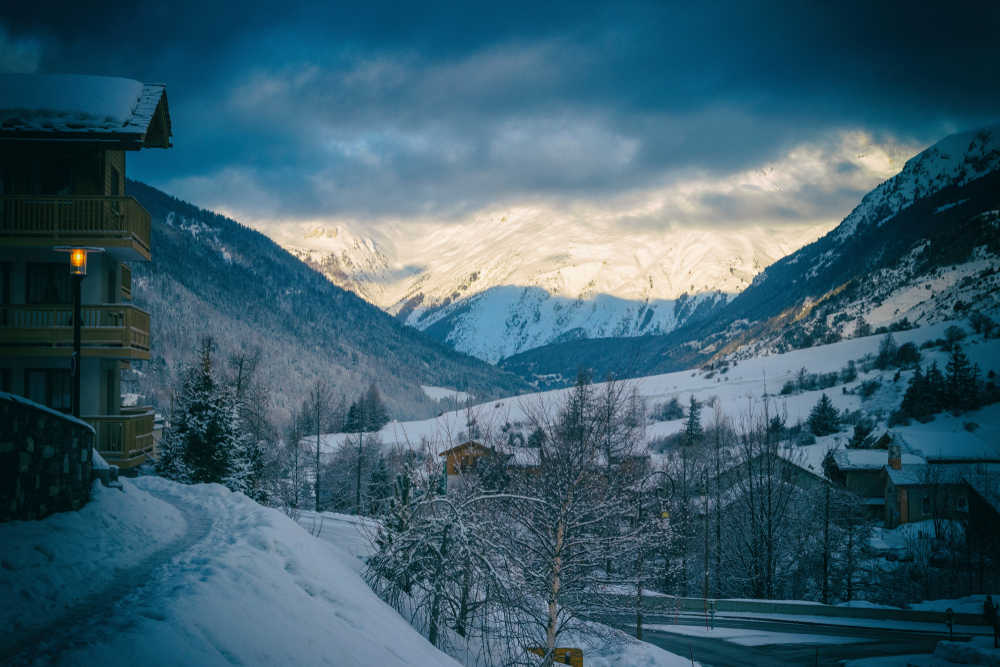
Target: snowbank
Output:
[(972, 604), (978, 651), (50, 566), (256, 589)]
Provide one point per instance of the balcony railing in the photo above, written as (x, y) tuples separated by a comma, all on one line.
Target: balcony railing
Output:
[(89, 218), (126, 283), (124, 440), (110, 330)]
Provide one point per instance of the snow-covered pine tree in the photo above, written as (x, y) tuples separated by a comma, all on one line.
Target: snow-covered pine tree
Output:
[(171, 464), (692, 425), (824, 418), (204, 422)]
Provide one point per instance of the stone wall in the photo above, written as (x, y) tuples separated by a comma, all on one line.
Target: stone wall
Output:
[(45, 460)]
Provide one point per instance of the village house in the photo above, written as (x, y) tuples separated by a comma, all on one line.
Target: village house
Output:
[(68, 235), (470, 457), (926, 474)]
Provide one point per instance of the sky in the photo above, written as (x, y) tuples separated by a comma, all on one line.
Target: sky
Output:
[(663, 114)]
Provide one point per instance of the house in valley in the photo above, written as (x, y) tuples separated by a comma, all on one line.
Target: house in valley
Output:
[(926, 474)]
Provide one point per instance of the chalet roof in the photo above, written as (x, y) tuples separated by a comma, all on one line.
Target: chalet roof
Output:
[(938, 446), (868, 459), (524, 457), (469, 444), (946, 473), (95, 109)]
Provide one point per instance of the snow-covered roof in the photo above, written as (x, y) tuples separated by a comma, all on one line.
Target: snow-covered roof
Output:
[(524, 457), (70, 106), (947, 446), (924, 475), (868, 459)]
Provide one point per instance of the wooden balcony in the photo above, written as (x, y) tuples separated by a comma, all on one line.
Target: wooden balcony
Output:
[(120, 225), (109, 330), (126, 291), (124, 440)]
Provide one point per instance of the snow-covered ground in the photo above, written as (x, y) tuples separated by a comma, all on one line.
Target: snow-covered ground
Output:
[(343, 532), (47, 567), (256, 589), (166, 574), (977, 651), (742, 384)]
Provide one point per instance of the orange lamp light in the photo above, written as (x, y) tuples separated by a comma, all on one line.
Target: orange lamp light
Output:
[(78, 262)]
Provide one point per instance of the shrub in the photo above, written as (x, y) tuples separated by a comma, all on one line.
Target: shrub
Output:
[(898, 418), (869, 387)]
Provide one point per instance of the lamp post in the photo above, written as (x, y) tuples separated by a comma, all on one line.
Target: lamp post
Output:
[(77, 271), (638, 516)]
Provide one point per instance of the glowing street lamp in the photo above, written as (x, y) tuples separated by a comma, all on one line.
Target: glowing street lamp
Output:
[(78, 270)]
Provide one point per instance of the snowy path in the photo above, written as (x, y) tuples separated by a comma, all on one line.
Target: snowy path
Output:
[(112, 608)]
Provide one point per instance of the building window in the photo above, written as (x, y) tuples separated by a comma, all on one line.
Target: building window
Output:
[(50, 176), (927, 506), (52, 388), (962, 504), (48, 283), (5, 379)]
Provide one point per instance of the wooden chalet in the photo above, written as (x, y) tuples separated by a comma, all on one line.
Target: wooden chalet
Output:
[(63, 146)]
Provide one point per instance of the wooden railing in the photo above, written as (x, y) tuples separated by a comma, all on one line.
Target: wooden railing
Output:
[(126, 282), (124, 440), (88, 216), (51, 325)]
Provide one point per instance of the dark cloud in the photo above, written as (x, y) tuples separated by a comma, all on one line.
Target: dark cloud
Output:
[(375, 108)]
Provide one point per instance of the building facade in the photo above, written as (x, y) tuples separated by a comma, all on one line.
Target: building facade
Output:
[(64, 141)]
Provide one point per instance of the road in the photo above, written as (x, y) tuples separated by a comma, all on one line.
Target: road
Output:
[(711, 652)]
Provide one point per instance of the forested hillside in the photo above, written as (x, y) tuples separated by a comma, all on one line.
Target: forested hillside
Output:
[(212, 276)]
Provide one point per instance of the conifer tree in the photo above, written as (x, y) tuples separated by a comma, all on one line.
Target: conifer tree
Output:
[(692, 425), (958, 381), (862, 438), (934, 389), (170, 464), (915, 401), (205, 422), (824, 418)]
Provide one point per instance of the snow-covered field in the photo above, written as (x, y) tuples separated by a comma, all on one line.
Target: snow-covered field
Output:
[(738, 388), (245, 586)]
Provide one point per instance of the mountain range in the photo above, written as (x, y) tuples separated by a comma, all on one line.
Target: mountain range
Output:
[(922, 247), (498, 286)]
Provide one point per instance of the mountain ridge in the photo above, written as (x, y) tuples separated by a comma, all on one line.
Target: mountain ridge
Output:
[(211, 275), (931, 223)]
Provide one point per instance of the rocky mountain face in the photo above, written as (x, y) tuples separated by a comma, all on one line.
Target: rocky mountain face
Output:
[(496, 287), (922, 247), (213, 276)]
